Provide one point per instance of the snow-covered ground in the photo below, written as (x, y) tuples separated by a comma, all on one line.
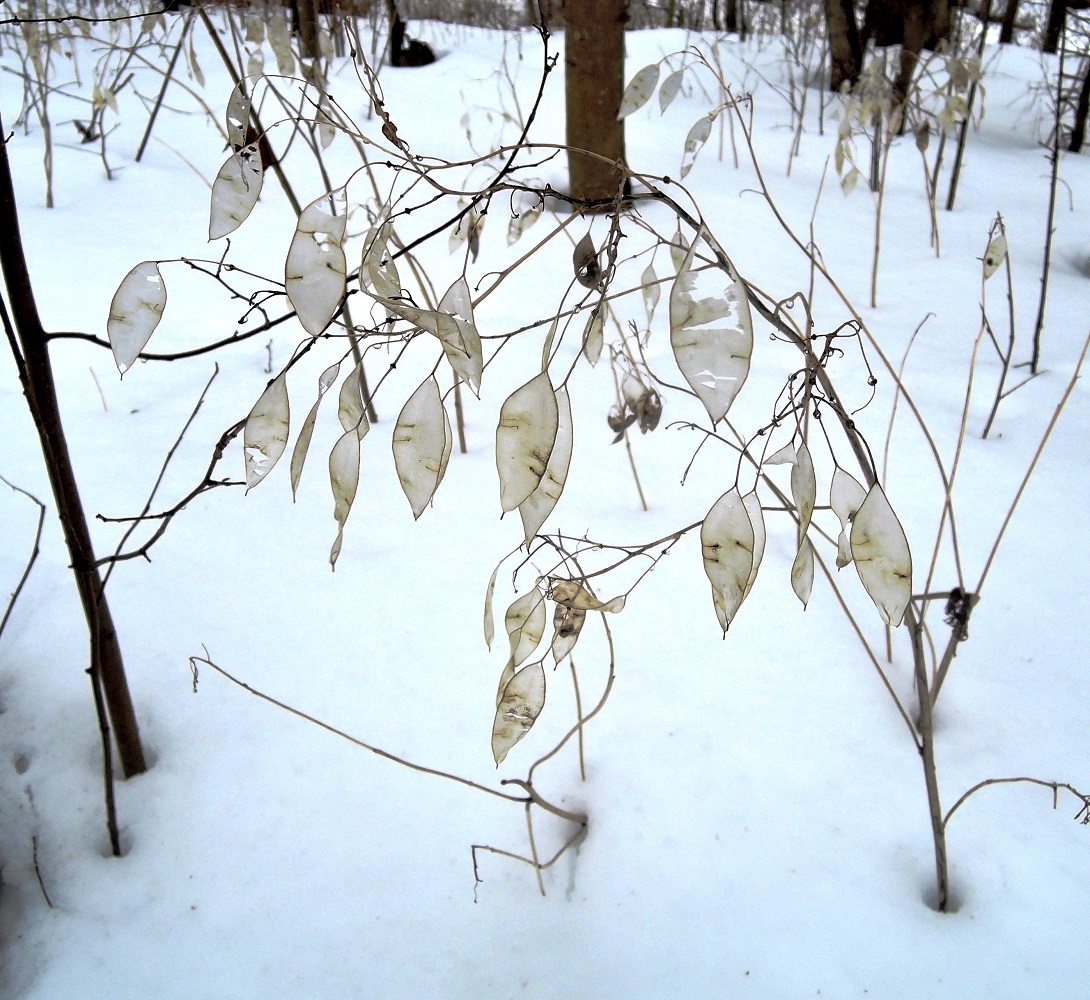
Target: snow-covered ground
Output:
[(757, 816)]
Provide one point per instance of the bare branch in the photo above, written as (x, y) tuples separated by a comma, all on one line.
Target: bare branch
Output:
[(35, 549)]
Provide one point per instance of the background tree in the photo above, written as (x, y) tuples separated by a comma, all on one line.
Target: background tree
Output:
[(845, 45), (915, 25), (405, 51), (1057, 12), (1010, 15), (594, 60), (304, 22)]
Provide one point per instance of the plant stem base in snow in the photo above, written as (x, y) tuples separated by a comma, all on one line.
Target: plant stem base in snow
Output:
[(28, 343)]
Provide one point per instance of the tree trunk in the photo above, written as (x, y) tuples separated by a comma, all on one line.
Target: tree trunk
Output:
[(915, 25), (1006, 33), (397, 33), (883, 23), (1057, 13), (915, 34), (594, 58), (1082, 111), (886, 22), (36, 374), (845, 47), (304, 22)]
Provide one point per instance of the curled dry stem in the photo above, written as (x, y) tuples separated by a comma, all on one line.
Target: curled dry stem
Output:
[(1083, 815), (530, 799)]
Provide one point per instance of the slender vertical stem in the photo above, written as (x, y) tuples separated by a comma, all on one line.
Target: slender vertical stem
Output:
[(963, 132), (579, 716), (635, 474), (533, 847), (886, 144), (167, 77), (927, 755), (1054, 157), (459, 416), (107, 761), (955, 173), (1007, 358), (34, 552), (40, 390)]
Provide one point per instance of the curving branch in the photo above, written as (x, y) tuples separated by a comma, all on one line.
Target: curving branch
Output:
[(35, 550)]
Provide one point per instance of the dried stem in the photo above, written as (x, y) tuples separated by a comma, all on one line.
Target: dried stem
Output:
[(1033, 463), (1083, 815), (142, 552), (377, 751), (38, 870), (34, 551), (1050, 216)]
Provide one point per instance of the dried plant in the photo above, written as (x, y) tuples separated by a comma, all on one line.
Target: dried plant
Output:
[(711, 318)]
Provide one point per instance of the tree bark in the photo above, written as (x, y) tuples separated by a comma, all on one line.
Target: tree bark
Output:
[(1057, 13), (36, 374), (915, 39), (1006, 32), (915, 25), (1082, 111), (845, 46), (397, 33), (304, 21), (594, 58), (886, 22)]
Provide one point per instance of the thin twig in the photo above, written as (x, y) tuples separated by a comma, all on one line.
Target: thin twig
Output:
[(38, 870), (35, 550), (572, 841), (385, 754), (142, 551), (1083, 815), (1033, 464), (579, 716), (107, 757), (533, 849)]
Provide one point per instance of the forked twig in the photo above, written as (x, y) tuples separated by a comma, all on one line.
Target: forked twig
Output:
[(165, 520)]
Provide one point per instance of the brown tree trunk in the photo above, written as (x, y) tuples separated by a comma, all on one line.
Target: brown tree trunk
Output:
[(886, 22), (304, 17), (1006, 33), (594, 58), (36, 374), (1057, 13), (915, 25), (883, 23), (915, 38), (397, 33), (845, 47), (1082, 111)]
